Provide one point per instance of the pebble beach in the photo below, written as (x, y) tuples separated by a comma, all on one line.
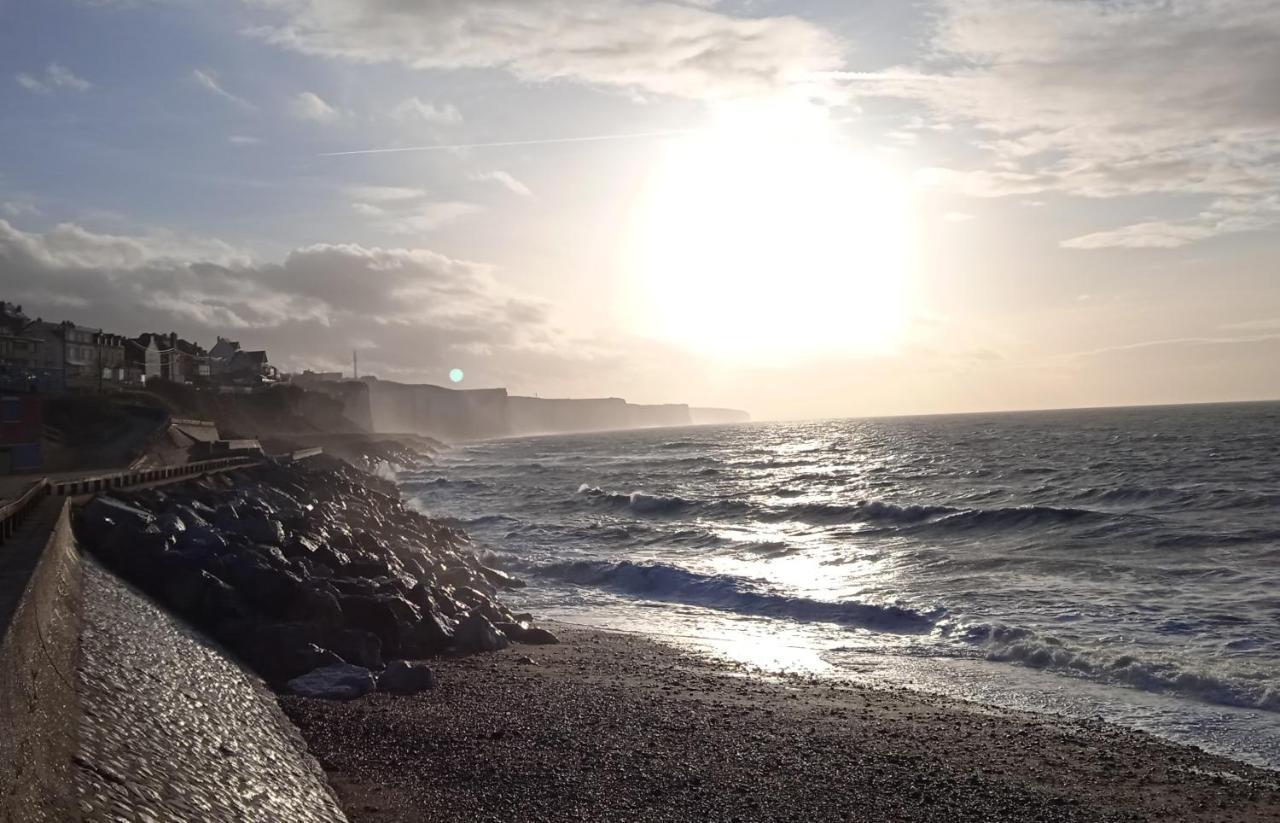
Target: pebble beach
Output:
[(618, 727)]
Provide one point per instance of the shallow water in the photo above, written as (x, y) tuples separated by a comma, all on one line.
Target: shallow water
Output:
[(1122, 563)]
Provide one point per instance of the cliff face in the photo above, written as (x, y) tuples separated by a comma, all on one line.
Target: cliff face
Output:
[(667, 414), (468, 414), (703, 416), (438, 412)]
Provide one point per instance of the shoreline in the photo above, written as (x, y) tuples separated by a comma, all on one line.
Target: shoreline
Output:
[(611, 726)]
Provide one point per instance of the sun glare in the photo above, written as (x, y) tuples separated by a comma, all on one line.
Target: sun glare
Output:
[(769, 236)]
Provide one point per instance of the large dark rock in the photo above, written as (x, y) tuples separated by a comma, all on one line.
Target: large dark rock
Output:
[(432, 635), (403, 677), (268, 589), (313, 604), (390, 617), (262, 528), (280, 651), (477, 634), (524, 633), (355, 646), (501, 579), (299, 546), (340, 681), (201, 538)]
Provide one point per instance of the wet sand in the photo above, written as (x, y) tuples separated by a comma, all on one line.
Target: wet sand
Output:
[(612, 727)]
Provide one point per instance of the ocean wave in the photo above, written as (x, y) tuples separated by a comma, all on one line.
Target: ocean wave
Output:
[(659, 581), (655, 505), (637, 501), (423, 483), (1011, 644), (861, 511), (1017, 517), (873, 512)]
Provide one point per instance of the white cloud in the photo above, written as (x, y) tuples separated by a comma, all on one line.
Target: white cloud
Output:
[(55, 76), (308, 105), (504, 179), (1156, 234), (18, 208), (243, 140), (958, 217), (414, 108), (431, 216), (208, 80), (406, 210), (382, 194), (658, 47), (1105, 99), (1224, 216)]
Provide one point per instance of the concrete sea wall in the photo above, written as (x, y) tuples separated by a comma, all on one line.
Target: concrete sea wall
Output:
[(40, 580)]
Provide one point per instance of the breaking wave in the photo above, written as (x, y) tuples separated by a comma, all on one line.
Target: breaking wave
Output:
[(1010, 644), (875, 512), (659, 581)]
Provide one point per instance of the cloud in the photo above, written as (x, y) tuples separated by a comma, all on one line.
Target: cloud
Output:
[(414, 307), (1105, 99), (416, 217), (414, 108), (56, 76), (665, 48), (308, 105), (243, 140), (382, 194), (1222, 217), (18, 208), (1181, 343), (505, 180), (208, 80), (406, 210)]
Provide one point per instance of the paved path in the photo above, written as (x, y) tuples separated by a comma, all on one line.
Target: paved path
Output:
[(173, 731)]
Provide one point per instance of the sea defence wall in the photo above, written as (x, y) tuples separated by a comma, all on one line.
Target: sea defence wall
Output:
[(48, 765), (468, 414), (40, 579)]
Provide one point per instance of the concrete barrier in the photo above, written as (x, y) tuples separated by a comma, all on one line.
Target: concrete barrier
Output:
[(40, 579), (40, 593)]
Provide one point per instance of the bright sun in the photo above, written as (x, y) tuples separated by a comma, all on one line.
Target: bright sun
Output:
[(768, 236)]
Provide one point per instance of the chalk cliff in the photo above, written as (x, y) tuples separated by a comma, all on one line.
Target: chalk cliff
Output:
[(468, 414)]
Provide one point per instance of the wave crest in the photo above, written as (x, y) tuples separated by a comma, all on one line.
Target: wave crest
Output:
[(1010, 644), (659, 581)]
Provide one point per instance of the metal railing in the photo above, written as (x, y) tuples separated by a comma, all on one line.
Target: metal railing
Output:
[(140, 477), (15, 511)]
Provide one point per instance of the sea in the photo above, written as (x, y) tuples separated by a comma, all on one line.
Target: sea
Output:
[(1114, 564)]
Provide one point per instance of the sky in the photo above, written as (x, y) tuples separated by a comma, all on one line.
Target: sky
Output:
[(803, 208)]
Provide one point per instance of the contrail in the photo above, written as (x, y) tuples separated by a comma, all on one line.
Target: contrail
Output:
[(507, 143)]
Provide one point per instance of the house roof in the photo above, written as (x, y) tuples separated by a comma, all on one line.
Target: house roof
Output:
[(257, 357)]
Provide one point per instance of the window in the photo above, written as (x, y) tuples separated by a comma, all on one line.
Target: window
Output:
[(10, 409)]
